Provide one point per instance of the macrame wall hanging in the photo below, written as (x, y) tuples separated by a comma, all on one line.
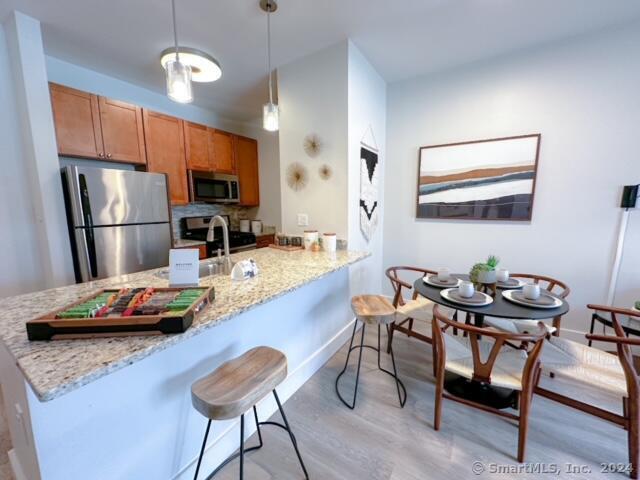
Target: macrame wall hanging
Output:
[(369, 179)]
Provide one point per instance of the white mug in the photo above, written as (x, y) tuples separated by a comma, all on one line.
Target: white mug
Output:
[(502, 275), (531, 291), (466, 289), (444, 274)]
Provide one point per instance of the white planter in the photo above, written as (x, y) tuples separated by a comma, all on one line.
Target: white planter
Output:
[(487, 276)]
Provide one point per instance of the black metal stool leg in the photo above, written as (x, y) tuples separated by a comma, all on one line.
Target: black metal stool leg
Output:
[(255, 415), (242, 447), (395, 374), (346, 364), (293, 438), (204, 443), (379, 366)]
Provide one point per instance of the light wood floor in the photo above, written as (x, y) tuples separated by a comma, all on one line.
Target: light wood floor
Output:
[(378, 440)]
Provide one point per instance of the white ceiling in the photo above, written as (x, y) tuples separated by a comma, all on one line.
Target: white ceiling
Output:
[(402, 38)]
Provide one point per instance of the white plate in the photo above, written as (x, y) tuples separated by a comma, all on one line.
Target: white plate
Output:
[(445, 294), (507, 294), (426, 280), (511, 287)]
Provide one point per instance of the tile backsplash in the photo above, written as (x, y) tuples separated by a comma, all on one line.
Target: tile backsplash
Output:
[(235, 213)]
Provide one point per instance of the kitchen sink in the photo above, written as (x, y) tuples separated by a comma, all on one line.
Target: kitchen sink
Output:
[(207, 269)]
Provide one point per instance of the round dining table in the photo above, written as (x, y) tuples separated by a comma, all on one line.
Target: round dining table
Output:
[(500, 307), (496, 397)]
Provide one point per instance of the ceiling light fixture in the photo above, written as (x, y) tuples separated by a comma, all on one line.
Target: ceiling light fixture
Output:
[(204, 68), (270, 110), (178, 74)]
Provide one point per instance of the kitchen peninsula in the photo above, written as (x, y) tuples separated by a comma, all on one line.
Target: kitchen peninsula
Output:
[(81, 414)]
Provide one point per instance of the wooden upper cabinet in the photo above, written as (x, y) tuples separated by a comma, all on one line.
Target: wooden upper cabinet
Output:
[(247, 165), (77, 122), (198, 148), (223, 151), (97, 127), (122, 131), (165, 152)]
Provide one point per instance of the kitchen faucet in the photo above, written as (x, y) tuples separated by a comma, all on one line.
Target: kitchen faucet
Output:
[(227, 264)]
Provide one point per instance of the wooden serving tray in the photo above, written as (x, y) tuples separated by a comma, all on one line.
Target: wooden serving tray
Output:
[(48, 327), (286, 248)]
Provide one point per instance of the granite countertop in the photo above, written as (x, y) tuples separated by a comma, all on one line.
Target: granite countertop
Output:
[(56, 367), (186, 243)]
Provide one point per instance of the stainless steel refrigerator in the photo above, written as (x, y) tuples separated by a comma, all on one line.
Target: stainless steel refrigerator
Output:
[(119, 221)]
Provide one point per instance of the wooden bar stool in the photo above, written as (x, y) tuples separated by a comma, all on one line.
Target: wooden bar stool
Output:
[(236, 386), (371, 310)]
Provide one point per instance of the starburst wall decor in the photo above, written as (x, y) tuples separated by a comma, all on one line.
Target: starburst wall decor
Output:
[(325, 172), (297, 176), (312, 145)]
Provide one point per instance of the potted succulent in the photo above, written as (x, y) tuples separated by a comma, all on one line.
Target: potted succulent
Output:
[(484, 273)]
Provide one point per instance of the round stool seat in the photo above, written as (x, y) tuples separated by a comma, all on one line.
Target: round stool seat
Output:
[(373, 309), (237, 385)]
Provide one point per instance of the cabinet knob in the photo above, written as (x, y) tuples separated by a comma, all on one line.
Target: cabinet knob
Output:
[(108, 155), (100, 154)]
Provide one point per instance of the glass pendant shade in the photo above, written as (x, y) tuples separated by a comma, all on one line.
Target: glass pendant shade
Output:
[(179, 82), (270, 117)]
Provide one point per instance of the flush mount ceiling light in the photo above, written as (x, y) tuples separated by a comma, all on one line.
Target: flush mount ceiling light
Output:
[(270, 110), (204, 68), (178, 74)]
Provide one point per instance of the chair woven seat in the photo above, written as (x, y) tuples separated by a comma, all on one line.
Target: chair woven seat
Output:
[(517, 326), (586, 365), (421, 309), (507, 370)]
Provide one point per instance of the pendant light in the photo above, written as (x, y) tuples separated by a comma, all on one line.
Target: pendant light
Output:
[(270, 110), (178, 73)]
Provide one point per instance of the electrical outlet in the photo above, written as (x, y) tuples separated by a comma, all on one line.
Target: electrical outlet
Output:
[(303, 220)]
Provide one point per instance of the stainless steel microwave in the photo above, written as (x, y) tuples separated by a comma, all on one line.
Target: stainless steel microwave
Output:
[(213, 187)]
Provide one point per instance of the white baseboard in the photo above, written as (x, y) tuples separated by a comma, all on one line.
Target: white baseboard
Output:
[(16, 468), (227, 439)]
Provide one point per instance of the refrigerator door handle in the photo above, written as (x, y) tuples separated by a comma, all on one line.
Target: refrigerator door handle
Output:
[(87, 257), (85, 202), (91, 252)]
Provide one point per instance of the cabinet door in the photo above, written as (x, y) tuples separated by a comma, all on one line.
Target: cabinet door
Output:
[(165, 152), (122, 132), (196, 142), (77, 122), (247, 165), (264, 241), (223, 151)]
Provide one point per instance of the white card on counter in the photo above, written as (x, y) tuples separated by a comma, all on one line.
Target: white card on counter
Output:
[(183, 266)]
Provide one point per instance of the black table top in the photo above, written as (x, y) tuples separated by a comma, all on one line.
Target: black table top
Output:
[(500, 307)]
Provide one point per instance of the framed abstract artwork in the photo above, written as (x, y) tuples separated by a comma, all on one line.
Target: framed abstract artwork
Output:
[(491, 179)]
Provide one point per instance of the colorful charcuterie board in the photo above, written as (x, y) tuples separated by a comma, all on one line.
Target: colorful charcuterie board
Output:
[(125, 311)]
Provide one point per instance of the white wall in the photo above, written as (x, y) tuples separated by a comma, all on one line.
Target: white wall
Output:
[(19, 273), (39, 171), (312, 94), (367, 98), (582, 96)]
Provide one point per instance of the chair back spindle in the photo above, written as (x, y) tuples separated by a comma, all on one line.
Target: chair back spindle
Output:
[(482, 368), (398, 283)]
